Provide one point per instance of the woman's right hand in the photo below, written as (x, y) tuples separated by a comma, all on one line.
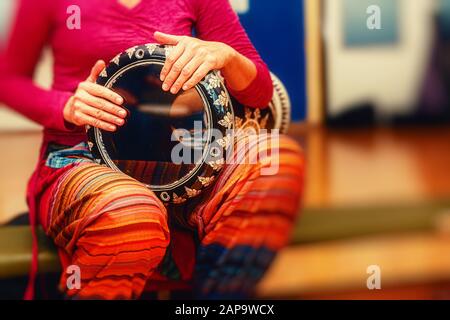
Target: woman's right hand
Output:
[(95, 105)]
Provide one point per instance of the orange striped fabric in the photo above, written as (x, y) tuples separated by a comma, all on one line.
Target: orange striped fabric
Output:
[(112, 227), (121, 236)]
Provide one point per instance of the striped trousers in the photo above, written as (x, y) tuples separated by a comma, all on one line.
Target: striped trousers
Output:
[(122, 238)]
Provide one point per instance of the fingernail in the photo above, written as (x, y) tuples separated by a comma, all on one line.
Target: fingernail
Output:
[(119, 121), (119, 100), (174, 90), (165, 87), (162, 77), (123, 113), (185, 87), (113, 128)]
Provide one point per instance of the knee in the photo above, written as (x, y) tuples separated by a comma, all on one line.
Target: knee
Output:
[(131, 215), (126, 235), (279, 155), (291, 154), (104, 209), (135, 206), (281, 167)]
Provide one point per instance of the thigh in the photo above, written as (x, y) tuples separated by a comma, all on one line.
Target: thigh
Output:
[(262, 188), (88, 194)]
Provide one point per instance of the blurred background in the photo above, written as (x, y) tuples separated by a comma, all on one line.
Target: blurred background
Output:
[(369, 82)]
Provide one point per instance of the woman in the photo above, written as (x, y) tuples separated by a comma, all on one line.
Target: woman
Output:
[(116, 231)]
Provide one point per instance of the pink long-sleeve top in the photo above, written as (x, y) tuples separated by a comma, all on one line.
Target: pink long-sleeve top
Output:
[(107, 28)]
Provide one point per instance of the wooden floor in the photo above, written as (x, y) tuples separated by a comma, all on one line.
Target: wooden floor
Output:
[(345, 169), (373, 166), (337, 267)]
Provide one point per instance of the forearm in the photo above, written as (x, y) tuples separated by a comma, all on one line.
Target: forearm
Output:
[(239, 72), (248, 81)]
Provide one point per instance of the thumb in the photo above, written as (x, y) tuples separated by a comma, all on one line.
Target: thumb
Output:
[(164, 38), (96, 70)]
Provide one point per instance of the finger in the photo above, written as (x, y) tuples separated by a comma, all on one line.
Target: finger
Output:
[(186, 74), (176, 70), (198, 75), (100, 114), (102, 104), (96, 70), (165, 38), (102, 92), (170, 60), (97, 123)]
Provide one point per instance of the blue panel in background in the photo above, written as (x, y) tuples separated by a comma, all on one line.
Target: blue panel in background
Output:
[(277, 30)]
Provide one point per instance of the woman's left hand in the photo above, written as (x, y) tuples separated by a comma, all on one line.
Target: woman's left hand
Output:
[(190, 60)]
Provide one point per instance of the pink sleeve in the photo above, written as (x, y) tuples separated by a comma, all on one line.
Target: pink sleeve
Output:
[(18, 60), (216, 21)]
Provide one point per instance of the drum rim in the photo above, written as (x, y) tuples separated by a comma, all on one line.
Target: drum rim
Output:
[(205, 172)]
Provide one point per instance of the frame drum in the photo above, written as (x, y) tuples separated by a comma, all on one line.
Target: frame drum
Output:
[(175, 144)]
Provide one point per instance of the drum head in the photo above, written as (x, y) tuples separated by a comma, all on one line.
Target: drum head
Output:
[(174, 144)]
